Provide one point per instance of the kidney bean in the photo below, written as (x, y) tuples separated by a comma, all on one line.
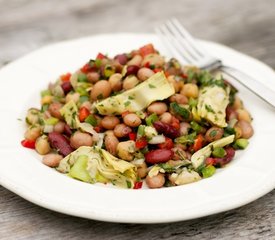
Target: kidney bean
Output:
[(132, 70), (166, 129), (67, 130), (230, 153), (122, 58), (158, 156), (60, 143), (67, 87)]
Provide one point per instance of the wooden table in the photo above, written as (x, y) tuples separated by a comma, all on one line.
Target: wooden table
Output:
[(25, 25)]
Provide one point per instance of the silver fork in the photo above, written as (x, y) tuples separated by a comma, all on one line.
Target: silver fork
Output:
[(183, 46)]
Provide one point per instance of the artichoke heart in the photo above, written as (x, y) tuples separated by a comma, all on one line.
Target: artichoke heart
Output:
[(100, 166), (212, 104), (155, 88)]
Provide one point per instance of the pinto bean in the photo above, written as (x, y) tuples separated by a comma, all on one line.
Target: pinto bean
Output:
[(158, 156), (93, 77), (142, 170), (79, 139), (116, 82), (111, 142), (60, 143), (246, 128), (144, 73), (121, 130), (166, 117), (136, 60), (243, 114), (59, 127), (52, 159), (130, 82), (102, 89), (179, 98), (54, 109), (155, 181), (213, 133), (132, 120), (109, 122), (158, 108)]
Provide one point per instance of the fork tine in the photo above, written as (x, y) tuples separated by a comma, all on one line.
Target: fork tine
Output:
[(173, 44), (169, 45), (188, 37), (185, 44)]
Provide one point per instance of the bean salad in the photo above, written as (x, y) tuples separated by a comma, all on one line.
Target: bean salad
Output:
[(137, 120)]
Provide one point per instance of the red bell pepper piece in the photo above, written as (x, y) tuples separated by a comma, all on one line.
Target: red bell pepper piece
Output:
[(198, 143), (83, 114), (147, 49), (137, 185), (28, 143), (66, 77), (132, 136), (168, 144), (141, 143)]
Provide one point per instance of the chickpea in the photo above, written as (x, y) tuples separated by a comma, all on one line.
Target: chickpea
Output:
[(156, 181), (144, 73), (93, 77), (158, 108), (190, 90), (109, 122), (176, 84), (166, 117), (213, 133), (153, 59), (52, 159), (42, 145), (101, 89), (111, 142), (116, 82), (136, 60), (46, 99), (126, 149), (132, 120), (33, 133), (243, 114), (246, 128), (59, 127), (130, 82), (237, 103), (142, 170), (79, 139), (72, 97), (121, 130), (184, 128), (54, 109), (32, 116), (179, 98)]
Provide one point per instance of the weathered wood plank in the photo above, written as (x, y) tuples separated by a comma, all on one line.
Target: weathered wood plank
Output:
[(25, 25)]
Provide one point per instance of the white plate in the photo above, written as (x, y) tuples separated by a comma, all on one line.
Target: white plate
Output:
[(248, 177)]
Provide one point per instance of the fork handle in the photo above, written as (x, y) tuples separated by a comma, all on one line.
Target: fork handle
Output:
[(252, 84)]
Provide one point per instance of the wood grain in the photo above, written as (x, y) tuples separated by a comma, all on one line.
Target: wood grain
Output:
[(25, 25)]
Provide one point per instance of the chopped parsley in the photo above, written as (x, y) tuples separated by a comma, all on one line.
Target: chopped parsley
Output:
[(151, 85)]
